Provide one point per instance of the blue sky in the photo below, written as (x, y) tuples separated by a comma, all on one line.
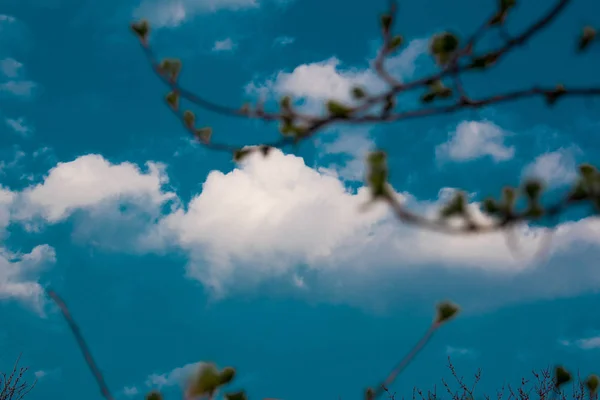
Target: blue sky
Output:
[(169, 255)]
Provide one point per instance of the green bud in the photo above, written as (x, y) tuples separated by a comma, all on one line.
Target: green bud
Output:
[(446, 311), (358, 93), (377, 172), (227, 375), (579, 192), (141, 29), (490, 206), (203, 134), (428, 97), (286, 103), (241, 154), (245, 109), (395, 42), (561, 376), (338, 109), (189, 118), (509, 196), (204, 381), (555, 94), (443, 45), (592, 383), (154, 395), (506, 5), (241, 395), (172, 99), (170, 67), (386, 21), (369, 394), (588, 172), (587, 37), (533, 189), (456, 206)]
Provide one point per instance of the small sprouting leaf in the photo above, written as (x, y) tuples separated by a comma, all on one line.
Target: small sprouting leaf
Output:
[(241, 395), (154, 395), (245, 109), (588, 172), (561, 376), (241, 154), (170, 67), (369, 394), (587, 37), (203, 134), (443, 45), (172, 99), (490, 206), (446, 311), (509, 197), (189, 118), (395, 42), (532, 189), (141, 29), (286, 103), (555, 94), (456, 206), (579, 192), (592, 383), (484, 61), (386, 21), (506, 5), (388, 106), (204, 381), (428, 97), (377, 172), (338, 109), (358, 93), (227, 375)]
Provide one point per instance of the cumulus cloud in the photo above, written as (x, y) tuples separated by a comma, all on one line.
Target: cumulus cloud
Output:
[(19, 273), (90, 181), (556, 168), (224, 45), (329, 78), (474, 139), (20, 88), (172, 13), (277, 223), (350, 147)]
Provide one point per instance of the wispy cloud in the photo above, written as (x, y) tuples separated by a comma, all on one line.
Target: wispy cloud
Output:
[(224, 45), (584, 343), (283, 41), (474, 139), (19, 125), (10, 67)]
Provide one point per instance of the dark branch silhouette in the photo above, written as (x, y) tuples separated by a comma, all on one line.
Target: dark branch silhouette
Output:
[(443, 87), (13, 385)]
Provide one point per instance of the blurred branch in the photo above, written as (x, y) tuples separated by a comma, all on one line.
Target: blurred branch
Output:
[(12, 385)]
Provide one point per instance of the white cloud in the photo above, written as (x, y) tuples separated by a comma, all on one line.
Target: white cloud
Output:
[(172, 13), (589, 343), (275, 221), (130, 391), (18, 125), (474, 139), (224, 45), (18, 275), (459, 351), (90, 181), (10, 67), (283, 41), (18, 88), (328, 79), (7, 18), (177, 376), (556, 168), (352, 145)]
